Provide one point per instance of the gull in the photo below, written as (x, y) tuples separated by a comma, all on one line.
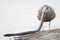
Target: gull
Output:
[(48, 14)]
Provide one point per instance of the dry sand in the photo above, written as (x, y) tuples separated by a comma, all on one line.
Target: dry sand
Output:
[(53, 34)]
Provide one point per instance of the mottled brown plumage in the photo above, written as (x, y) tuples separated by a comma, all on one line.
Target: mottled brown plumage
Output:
[(49, 13)]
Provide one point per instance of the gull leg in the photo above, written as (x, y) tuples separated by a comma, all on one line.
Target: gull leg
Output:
[(49, 26)]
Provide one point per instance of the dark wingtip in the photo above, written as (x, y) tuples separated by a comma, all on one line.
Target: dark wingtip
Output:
[(7, 35)]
